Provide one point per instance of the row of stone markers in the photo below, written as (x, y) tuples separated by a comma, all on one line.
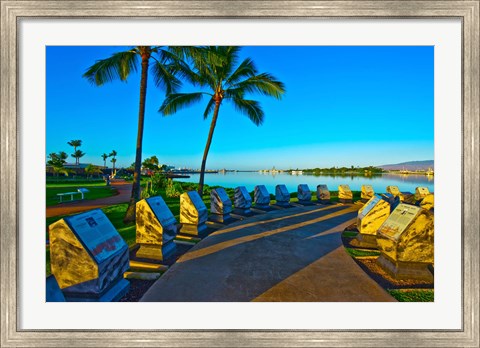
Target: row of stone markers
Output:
[(401, 227), (89, 257)]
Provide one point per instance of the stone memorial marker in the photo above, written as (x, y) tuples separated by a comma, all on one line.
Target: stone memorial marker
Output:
[(367, 193), (421, 193), (88, 257), (405, 241), (156, 229), (391, 199), (193, 214), (395, 192), (323, 195), (242, 200), (427, 202), (345, 195), (304, 194), (370, 217), (261, 197), (282, 196), (220, 205)]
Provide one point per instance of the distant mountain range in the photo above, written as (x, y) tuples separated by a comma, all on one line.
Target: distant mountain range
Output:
[(412, 165)]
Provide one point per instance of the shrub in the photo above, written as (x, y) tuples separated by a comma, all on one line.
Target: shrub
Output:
[(174, 189)]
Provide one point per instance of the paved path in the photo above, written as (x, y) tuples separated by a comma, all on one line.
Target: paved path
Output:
[(124, 191), (289, 255)]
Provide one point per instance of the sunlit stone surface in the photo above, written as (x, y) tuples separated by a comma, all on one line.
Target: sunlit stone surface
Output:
[(345, 195), (405, 240), (156, 229), (421, 193), (193, 214), (282, 196), (367, 193), (88, 257), (391, 199), (304, 194), (242, 199), (220, 205), (395, 192), (261, 197), (427, 202), (323, 194), (370, 217)]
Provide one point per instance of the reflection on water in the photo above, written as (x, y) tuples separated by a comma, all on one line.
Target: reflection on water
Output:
[(270, 180)]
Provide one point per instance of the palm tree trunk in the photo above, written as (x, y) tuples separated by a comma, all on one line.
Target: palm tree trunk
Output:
[(135, 197), (207, 147)]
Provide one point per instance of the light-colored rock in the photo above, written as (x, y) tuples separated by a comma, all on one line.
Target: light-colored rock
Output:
[(220, 205), (405, 240), (282, 196), (427, 202), (323, 194), (304, 194), (345, 195), (421, 193), (156, 229), (242, 199), (261, 197), (370, 217), (395, 192), (193, 214), (87, 255), (367, 192)]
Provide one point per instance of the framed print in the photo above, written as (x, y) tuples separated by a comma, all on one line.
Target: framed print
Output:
[(449, 32)]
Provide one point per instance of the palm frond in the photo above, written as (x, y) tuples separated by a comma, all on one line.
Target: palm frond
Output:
[(209, 108), (164, 77), (264, 83), (118, 66), (245, 70), (177, 101), (250, 108)]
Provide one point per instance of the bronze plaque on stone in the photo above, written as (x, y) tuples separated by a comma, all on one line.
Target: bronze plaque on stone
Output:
[(399, 220), (368, 206)]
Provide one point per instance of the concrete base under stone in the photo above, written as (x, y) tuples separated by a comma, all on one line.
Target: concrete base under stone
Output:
[(222, 218), (113, 294), (194, 230), (345, 201), (324, 201), (366, 241), (156, 252), (405, 270)]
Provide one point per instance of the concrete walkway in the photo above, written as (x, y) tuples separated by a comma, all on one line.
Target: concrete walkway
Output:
[(124, 191), (289, 255)]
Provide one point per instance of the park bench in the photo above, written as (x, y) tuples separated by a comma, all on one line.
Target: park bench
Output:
[(80, 191)]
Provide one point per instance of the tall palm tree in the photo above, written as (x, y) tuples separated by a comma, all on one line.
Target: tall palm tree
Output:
[(113, 160), (104, 157), (77, 155), (119, 66), (75, 144), (214, 68)]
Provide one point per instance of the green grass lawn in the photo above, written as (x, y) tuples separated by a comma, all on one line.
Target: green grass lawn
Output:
[(413, 295), (360, 253), (96, 190)]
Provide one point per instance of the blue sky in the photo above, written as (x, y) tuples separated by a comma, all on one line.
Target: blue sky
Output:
[(343, 106)]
